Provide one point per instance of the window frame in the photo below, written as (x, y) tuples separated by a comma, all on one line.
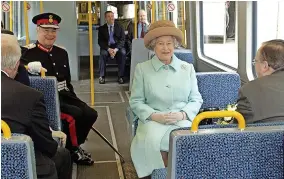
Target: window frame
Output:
[(200, 42)]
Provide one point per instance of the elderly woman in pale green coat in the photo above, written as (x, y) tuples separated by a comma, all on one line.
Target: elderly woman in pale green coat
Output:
[(164, 96)]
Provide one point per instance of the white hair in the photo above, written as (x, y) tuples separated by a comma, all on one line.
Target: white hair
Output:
[(142, 10), (10, 51), (152, 44)]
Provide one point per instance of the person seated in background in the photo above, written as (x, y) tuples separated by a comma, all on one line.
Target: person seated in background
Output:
[(23, 109), (164, 96), (142, 28), (262, 100), (111, 39)]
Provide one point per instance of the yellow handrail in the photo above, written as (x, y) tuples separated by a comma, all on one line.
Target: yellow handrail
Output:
[(42, 72), (26, 22), (182, 22), (153, 19), (92, 84), (214, 114), (164, 10), (11, 16), (41, 6), (6, 130), (135, 20)]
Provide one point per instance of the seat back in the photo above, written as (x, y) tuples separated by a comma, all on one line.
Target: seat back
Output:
[(218, 89), (139, 54), (17, 157), (256, 152), (162, 172), (48, 86)]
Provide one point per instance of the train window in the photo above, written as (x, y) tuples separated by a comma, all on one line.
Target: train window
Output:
[(218, 32), (270, 21), (18, 26)]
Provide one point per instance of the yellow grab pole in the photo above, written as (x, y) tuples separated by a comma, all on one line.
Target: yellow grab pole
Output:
[(91, 53), (214, 114), (135, 20), (26, 22), (11, 16), (40, 6), (6, 130), (164, 10), (182, 22), (153, 19)]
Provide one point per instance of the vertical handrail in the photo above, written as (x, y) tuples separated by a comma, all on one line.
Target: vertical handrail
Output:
[(182, 22), (153, 19), (164, 10), (26, 22), (41, 6), (91, 53), (135, 20), (11, 16)]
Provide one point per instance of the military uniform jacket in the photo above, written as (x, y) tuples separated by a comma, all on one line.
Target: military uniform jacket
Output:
[(55, 60)]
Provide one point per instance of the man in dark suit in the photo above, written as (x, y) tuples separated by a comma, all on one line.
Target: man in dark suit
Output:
[(111, 39), (262, 100), (24, 111)]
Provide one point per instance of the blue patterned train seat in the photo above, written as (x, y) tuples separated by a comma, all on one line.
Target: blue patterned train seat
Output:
[(48, 86), (162, 173), (17, 157)]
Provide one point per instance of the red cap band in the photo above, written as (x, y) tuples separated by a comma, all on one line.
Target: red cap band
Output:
[(46, 21)]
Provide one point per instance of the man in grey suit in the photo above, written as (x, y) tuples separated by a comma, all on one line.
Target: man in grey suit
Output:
[(262, 100)]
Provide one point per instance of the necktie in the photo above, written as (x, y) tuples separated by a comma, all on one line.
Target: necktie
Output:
[(142, 31), (111, 40)]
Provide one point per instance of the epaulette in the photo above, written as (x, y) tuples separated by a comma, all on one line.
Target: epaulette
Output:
[(59, 46), (30, 46)]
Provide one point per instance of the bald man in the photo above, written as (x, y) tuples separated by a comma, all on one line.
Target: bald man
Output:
[(142, 28)]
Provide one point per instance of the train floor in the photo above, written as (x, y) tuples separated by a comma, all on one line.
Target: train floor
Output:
[(111, 101)]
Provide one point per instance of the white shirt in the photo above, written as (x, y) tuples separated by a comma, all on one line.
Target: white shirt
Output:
[(5, 73)]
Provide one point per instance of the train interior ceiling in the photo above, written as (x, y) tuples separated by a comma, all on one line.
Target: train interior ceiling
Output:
[(220, 36)]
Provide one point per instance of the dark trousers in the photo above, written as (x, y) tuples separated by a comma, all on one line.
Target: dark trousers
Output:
[(63, 163), (83, 115), (120, 57), (57, 167)]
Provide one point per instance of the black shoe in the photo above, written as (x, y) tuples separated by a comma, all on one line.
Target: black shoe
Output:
[(120, 80), (102, 80), (82, 151), (80, 159)]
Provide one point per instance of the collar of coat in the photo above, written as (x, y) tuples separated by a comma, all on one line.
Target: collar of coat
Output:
[(157, 64)]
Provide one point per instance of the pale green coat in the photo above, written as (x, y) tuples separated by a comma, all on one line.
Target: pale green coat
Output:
[(160, 88)]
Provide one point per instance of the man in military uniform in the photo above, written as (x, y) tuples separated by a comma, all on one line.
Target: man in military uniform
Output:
[(55, 60)]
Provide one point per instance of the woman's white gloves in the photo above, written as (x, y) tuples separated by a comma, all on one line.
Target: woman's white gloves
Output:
[(168, 118)]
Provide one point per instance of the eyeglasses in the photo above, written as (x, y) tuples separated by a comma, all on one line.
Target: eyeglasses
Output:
[(254, 61)]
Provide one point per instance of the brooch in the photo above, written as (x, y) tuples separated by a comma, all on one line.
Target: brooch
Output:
[(183, 66)]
